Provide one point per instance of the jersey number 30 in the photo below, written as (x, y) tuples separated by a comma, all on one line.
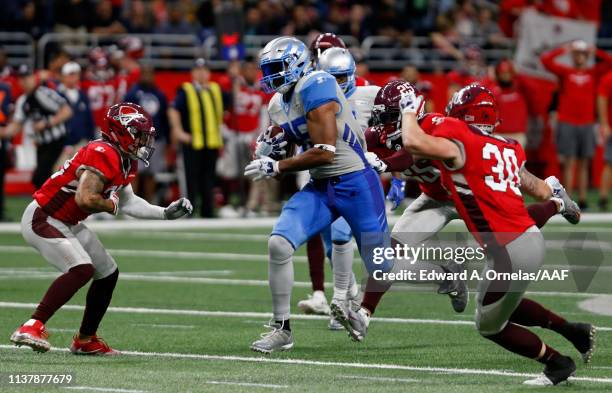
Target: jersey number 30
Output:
[(505, 169)]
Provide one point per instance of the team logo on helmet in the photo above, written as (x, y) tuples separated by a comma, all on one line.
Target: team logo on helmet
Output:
[(128, 114)]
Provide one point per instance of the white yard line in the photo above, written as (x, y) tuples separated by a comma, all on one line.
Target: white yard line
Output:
[(166, 254), (247, 384), (164, 235), (240, 223), (379, 379), (380, 366), (6, 275), (98, 389), (163, 326), (238, 314), (44, 274)]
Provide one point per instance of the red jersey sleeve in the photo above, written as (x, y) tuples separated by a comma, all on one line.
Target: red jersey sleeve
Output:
[(549, 62), (449, 128), (605, 85), (101, 159)]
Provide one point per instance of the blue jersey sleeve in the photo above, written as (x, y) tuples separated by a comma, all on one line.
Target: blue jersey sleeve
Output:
[(319, 89)]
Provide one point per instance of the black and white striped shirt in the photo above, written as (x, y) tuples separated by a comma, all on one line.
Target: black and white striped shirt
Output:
[(42, 104)]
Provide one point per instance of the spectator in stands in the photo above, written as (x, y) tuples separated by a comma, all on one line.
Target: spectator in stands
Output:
[(511, 102), (44, 112), (72, 16), (575, 134), (5, 69), (177, 22), (195, 120), (106, 19), (5, 102), (411, 74), (139, 19), (472, 69), (604, 110), (81, 127), (146, 94)]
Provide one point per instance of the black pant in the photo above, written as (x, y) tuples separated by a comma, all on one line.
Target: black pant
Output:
[(200, 177), (46, 157)]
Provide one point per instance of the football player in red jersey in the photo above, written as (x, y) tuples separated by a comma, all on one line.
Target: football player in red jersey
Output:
[(100, 84), (486, 176), (433, 209), (96, 179)]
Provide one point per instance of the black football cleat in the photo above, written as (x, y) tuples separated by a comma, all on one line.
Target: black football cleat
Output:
[(457, 289), (582, 336), (559, 369)]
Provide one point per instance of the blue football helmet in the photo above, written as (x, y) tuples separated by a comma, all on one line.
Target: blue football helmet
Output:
[(340, 63), (283, 61)]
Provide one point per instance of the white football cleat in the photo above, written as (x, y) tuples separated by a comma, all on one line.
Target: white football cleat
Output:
[(278, 339), (315, 304), (555, 372)]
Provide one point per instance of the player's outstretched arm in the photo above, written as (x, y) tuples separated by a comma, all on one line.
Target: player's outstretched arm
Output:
[(134, 206), (534, 186), (89, 196)]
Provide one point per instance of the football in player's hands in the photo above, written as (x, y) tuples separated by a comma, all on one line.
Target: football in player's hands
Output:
[(178, 209)]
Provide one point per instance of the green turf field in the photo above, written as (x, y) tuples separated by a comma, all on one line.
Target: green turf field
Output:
[(189, 303)]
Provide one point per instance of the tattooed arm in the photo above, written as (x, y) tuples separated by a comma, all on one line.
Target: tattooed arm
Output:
[(534, 186), (89, 194)]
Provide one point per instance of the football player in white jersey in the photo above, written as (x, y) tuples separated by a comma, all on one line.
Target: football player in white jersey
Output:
[(313, 112)]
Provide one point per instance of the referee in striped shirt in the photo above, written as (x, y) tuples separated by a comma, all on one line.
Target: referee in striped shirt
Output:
[(46, 111)]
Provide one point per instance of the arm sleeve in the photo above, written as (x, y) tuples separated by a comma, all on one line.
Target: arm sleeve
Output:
[(50, 99), (135, 206), (19, 115), (549, 62), (319, 89), (604, 86)]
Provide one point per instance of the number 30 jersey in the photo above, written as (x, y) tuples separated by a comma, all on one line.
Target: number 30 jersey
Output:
[(56, 196), (485, 189)]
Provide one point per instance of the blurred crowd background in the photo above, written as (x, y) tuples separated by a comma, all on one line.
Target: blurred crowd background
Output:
[(89, 54)]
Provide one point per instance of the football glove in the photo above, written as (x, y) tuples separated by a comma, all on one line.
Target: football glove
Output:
[(261, 168), (396, 192), (270, 146), (375, 162), (114, 198), (410, 103), (178, 209)]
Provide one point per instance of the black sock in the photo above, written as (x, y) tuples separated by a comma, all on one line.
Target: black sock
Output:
[(285, 325)]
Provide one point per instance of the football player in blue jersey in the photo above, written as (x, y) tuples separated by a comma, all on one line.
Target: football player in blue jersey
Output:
[(313, 112)]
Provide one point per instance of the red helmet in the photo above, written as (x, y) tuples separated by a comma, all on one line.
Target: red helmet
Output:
[(325, 41), (132, 47), (130, 128), (386, 104), (99, 58), (476, 105)]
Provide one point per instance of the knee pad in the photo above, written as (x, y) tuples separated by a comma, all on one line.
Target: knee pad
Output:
[(279, 249)]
